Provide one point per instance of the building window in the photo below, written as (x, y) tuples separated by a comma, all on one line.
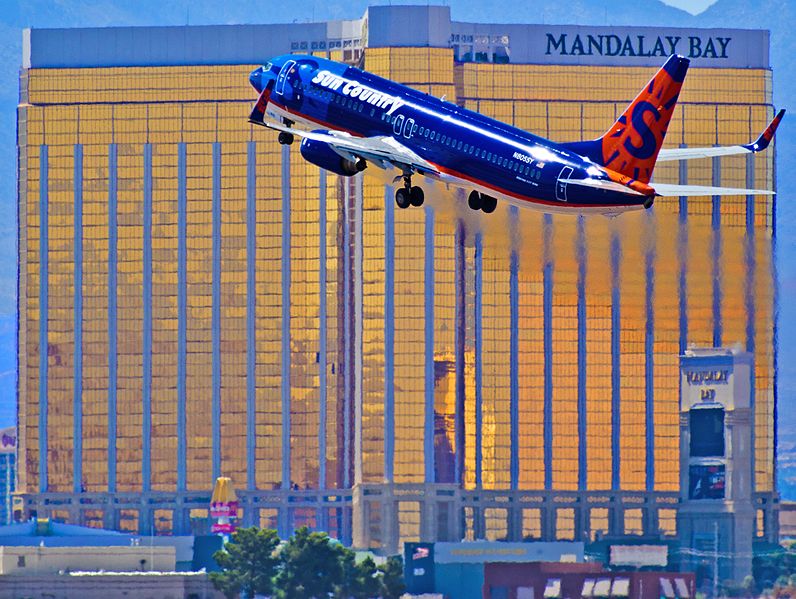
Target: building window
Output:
[(706, 428)]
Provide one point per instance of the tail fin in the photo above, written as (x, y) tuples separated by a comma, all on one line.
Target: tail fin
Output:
[(630, 147)]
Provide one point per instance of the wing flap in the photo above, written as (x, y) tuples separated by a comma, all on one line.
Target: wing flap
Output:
[(671, 190), (603, 184), (760, 144)]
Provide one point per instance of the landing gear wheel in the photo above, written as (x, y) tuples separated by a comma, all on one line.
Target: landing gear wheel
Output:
[(416, 196), (488, 204), (648, 202), (474, 200), (285, 138), (402, 197)]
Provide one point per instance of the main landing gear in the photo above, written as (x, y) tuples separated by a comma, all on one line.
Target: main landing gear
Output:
[(409, 195), (480, 201)]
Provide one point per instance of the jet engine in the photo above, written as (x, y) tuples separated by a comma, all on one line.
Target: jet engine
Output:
[(321, 154)]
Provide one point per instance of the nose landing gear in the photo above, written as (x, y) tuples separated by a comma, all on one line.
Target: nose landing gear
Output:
[(409, 195), (286, 138)]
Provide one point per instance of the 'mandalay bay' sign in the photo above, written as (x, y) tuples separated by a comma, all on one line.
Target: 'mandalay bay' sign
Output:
[(609, 46), (651, 45), (638, 45)]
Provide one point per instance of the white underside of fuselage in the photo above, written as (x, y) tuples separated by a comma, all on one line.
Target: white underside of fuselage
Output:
[(278, 114)]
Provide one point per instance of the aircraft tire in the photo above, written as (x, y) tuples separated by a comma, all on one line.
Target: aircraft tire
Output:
[(416, 196), (285, 138), (488, 204), (402, 198), (474, 200)]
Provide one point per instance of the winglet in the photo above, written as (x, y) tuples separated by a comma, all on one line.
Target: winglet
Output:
[(761, 143), (257, 115)]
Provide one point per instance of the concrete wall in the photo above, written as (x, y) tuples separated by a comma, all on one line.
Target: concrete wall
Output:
[(51, 560), (119, 586)]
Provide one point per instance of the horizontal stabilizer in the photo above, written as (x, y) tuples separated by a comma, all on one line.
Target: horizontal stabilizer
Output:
[(760, 144), (670, 190)]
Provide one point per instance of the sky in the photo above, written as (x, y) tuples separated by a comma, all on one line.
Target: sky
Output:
[(779, 16), (694, 7)]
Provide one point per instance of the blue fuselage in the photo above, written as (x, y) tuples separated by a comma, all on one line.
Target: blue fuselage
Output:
[(461, 144)]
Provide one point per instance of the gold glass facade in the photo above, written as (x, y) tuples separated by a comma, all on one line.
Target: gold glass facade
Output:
[(242, 313)]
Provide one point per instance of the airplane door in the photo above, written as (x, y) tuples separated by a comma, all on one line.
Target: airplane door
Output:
[(410, 123), (561, 184), (281, 78), (398, 124)]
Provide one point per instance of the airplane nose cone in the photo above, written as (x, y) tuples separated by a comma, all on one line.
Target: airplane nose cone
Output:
[(256, 79)]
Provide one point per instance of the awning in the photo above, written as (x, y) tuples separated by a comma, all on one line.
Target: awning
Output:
[(602, 588), (553, 587), (666, 588), (682, 588), (588, 588), (621, 587)]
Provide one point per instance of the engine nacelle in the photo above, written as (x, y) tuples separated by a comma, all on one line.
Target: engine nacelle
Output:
[(321, 154)]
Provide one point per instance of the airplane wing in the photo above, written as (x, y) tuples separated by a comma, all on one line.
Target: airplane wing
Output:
[(670, 190), (382, 151), (760, 144)]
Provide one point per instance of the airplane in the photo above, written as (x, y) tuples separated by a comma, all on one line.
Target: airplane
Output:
[(348, 118)]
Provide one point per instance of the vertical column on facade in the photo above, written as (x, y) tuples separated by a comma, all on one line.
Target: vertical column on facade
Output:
[(547, 326), (389, 335), (716, 255), (357, 295), (77, 422), (479, 370), (750, 283), (113, 237), (428, 409), (146, 384), (283, 525), (44, 309), (580, 251), (514, 348), (616, 391), (515, 511), (251, 323), (322, 311), (216, 313), (649, 513), (182, 314), (322, 516), (347, 338), (459, 341), (682, 256)]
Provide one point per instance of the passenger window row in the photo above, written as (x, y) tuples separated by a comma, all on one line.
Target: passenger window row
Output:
[(458, 145)]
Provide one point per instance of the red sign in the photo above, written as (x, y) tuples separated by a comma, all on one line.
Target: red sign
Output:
[(224, 510), (225, 528)]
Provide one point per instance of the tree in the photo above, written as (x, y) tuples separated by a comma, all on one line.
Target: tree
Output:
[(359, 580), (392, 578), (248, 563), (311, 566)]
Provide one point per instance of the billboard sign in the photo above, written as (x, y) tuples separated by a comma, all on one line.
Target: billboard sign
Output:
[(706, 481), (228, 509), (639, 555), (419, 568)]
